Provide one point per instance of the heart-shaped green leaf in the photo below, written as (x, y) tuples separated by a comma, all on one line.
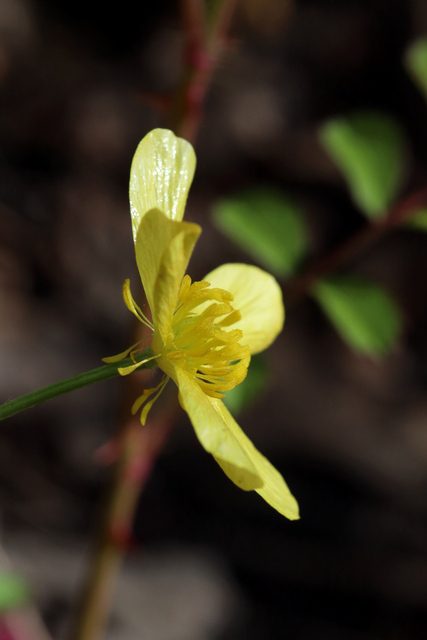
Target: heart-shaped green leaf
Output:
[(364, 313), (418, 220), (369, 148), (416, 63), (268, 225)]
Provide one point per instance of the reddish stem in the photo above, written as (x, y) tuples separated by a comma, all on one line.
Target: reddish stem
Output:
[(202, 52), (355, 245), (137, 449)]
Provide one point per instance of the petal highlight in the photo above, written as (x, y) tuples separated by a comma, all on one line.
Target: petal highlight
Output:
[(163, 248), (161, 175), (258, 297)]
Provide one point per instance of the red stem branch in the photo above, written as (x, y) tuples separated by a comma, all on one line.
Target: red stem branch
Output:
[(203, 48), (356, 244)]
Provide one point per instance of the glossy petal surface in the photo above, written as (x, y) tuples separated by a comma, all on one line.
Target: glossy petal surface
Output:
[(163, 248), (161, 175), (258, 297)]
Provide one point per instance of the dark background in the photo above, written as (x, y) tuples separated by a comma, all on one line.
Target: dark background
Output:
[(349, 433)]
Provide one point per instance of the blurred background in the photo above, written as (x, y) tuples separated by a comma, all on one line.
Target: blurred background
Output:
[(346, 428)]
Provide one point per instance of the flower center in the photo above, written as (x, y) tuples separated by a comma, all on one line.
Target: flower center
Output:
[(200, 344)]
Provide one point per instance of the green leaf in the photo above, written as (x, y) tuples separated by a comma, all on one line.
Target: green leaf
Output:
[(364, 314), (369, 148), (416, 63), (248, 391), (418, 220), (14, 591), (268, 225)]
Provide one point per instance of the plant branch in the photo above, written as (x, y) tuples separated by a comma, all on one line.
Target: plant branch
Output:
[(135, 452), (56, 389), (204, 44), (356, 244)]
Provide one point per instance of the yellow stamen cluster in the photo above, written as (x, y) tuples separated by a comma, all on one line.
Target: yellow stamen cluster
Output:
[(200, 344)]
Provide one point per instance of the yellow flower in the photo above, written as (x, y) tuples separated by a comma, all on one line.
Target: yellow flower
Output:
[(203, 332)]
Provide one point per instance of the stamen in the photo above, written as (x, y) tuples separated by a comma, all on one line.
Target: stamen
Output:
[(125, 371), (133, 307), (149, 404), (123, 354), (230, 319), (185, 285), (201, 345), (198, 293), (144, 397), (141, 399)]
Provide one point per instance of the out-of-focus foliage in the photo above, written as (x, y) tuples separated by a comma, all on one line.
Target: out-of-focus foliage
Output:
[(369, 149), (419, 220), (14, 592), (252, 387), (416, 63), (268, 225), (364, 314)]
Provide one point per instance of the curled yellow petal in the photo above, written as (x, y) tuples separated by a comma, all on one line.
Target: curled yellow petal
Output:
[(214, 434), (163, 248), (161, 175), (275, 491), (221, 436), (258, 298)]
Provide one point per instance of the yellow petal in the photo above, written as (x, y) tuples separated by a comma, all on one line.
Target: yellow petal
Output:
[(258, 297), (221, 436), (275, 490), (163, 248), (161, 175), (214, 434)]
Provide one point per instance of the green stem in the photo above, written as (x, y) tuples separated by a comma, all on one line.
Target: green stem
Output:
[(71, 384)]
